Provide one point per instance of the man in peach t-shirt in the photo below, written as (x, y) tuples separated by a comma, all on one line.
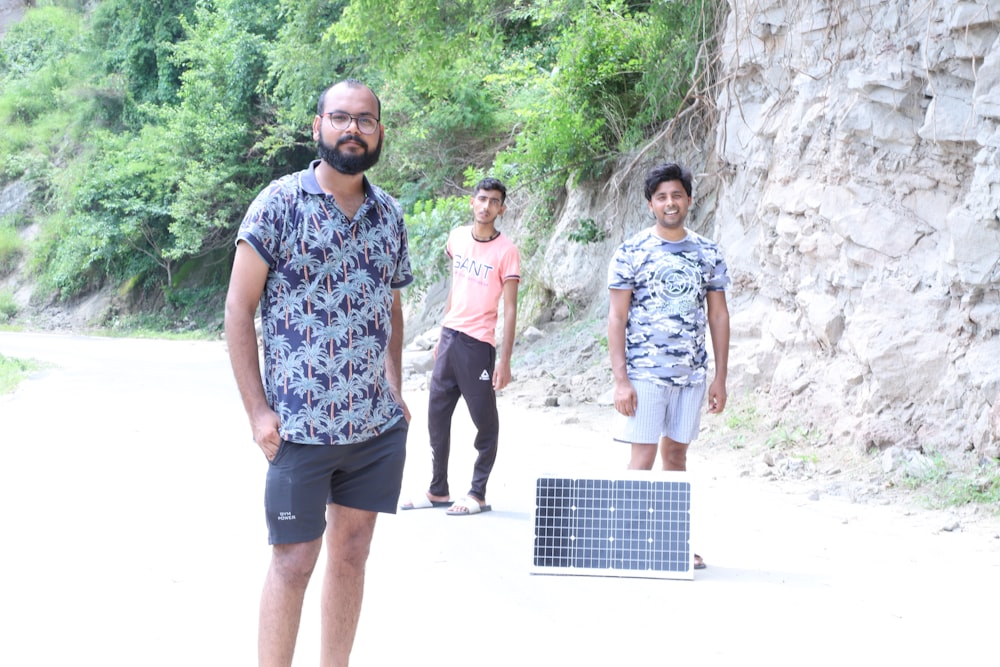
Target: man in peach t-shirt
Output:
[(485, 269)]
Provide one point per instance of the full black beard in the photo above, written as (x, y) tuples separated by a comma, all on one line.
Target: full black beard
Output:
[(347, 163)]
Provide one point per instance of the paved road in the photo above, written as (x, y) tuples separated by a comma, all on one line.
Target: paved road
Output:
[(133, 536)]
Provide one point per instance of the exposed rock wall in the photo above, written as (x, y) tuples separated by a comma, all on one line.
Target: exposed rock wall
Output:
[(11, 12), (862, 140), (854, 183)]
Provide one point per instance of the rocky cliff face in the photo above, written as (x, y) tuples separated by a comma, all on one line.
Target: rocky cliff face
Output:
[(11, 12), (852, 175)]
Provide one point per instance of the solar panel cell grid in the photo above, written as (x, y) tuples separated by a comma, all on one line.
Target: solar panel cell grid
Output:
[(615, 527)]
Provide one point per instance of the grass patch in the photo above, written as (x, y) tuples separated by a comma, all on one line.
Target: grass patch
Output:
[(942, 485), (157, 325), (11, 247), (190, 313), (979, 489), (743, 419), (750, 428), (13, 370), (8, 307), (932, 475), (785, 436), (743, 416)]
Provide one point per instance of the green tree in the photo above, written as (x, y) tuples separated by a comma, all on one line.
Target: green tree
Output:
[(39, 60), (146, 138), (137, 40), (427, 230), (143, 201), (614, 74), (434, 64)]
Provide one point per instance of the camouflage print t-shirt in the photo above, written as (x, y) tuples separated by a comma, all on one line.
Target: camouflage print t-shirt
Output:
[(665, 334), (326, 308)]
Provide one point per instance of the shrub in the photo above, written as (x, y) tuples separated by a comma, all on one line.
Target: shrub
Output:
[(11, 247), (13, 370), (427, 231), (8, 307)]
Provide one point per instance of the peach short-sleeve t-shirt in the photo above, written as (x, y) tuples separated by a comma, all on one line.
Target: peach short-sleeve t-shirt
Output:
[(479, 270)]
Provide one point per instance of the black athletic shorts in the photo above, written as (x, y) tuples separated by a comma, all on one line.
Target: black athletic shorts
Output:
[(303, 479)]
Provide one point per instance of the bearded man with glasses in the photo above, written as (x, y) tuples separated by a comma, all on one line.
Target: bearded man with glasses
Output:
[(324, 253)]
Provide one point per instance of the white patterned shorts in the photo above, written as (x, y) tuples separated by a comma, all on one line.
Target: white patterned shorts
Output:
[(674, 412)]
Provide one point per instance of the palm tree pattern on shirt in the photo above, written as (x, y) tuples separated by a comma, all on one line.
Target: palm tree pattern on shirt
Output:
[(326, 309)]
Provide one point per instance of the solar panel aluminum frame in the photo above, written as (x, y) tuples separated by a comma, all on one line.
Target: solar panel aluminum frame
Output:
[(637, 524)]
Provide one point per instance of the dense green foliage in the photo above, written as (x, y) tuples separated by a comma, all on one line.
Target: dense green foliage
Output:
[(429, 224), (147, 128)]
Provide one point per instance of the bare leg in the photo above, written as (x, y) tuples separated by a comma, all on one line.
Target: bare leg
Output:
[(643, 457), (673, 454), (348, 541), (281, 601)]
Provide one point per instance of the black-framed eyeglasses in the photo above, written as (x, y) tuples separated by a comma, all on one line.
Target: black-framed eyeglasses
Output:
[(340, 120)]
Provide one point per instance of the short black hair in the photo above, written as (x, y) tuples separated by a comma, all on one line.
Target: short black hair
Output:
[(664, 173), (492, 184), (351, 83)]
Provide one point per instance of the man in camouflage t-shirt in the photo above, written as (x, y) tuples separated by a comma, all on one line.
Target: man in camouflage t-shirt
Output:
[(666, 283)]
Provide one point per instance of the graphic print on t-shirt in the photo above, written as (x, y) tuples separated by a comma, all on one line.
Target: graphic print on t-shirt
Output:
[(473, 270), (667, 318), (675, 285), (479, 271)]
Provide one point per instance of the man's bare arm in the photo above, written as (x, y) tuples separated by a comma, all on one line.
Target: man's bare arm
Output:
[(625, 397), (246, 284), (718, 325), (502, 375)]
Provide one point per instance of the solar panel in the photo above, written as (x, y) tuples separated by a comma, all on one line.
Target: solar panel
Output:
[(636, 525)]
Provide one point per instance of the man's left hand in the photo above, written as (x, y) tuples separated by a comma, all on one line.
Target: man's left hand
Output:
[(717, 397), (501, 376)]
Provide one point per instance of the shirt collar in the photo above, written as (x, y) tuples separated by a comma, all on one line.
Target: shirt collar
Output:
[(311, 186)]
